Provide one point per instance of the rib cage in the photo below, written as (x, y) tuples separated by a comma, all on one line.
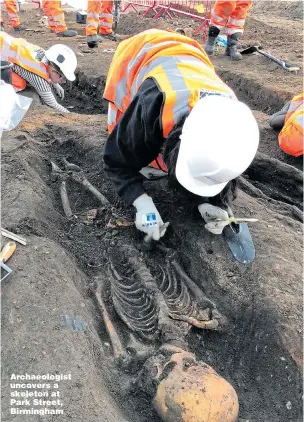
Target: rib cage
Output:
[(177, 297), (135, 304), (145, 302)]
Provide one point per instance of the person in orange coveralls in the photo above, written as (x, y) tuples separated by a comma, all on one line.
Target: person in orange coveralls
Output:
[(290, 120), (99, 14), (53, 10), (12, 11), (230, 15)]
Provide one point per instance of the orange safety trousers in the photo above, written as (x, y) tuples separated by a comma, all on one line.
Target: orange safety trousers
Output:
[(53, 10), (230, 15), (99, 13), (291, 136), (12, 11)]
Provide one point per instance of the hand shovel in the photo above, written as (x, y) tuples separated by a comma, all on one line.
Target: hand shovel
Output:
[(240, 242), (258, 49), (5, 254)]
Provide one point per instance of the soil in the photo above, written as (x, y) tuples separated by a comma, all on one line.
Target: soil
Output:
[(260, 351)]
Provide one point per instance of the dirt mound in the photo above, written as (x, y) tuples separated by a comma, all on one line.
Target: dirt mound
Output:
[(287, 9), (38, 305), (130, 26), (84, 96)]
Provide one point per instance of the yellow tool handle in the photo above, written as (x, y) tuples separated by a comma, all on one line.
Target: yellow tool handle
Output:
[(7, 251)]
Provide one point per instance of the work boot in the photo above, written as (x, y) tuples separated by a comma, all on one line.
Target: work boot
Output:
[(212, 36), (20, 28), (93, 40), (277, 120), (67, 33), (231, 49), (111, 37)]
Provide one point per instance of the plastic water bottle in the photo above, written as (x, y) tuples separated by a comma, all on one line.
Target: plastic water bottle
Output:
[(222, 41)]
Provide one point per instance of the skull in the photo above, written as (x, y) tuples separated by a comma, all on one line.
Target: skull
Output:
[(191, 391)]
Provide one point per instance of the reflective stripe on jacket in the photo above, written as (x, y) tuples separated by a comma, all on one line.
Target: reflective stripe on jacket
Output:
[(22, 53), (177, 63), (291, 136)]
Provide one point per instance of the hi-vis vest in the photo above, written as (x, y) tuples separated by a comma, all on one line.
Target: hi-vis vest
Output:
[(22, 53), (291, 136), (177, 63)]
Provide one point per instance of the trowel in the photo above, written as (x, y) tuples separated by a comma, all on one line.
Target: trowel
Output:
[(258, 49), (5, 254), (240, 242)]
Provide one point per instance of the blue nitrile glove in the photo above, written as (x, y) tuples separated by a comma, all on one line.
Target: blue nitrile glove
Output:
[(148, 219)]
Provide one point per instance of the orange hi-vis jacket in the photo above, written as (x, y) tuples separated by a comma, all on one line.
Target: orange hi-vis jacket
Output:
[(179, 66), (291, 136), (22, 53)]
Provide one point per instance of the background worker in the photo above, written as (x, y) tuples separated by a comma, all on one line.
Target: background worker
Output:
[(290, 120), (12, 11), (99, 15), (53, 10), (230, 15), (165, 97), (43, 70)]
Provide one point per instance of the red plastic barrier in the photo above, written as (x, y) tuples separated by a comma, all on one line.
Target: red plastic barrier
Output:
[(188, 8), (37, 2), (151, 5)]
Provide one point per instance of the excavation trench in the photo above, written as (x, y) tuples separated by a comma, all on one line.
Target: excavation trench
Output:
[(251, 353), (84, 96)]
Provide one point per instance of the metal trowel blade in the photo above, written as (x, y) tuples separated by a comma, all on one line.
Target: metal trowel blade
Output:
[(240, 242)]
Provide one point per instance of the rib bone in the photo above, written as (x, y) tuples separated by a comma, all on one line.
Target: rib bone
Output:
[(183, 304), (135, 305)]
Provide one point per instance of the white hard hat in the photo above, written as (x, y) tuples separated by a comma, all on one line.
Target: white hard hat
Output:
[(63, 57), (219, 140)]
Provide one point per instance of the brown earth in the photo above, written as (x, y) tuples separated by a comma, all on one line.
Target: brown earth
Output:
[(260, 352)]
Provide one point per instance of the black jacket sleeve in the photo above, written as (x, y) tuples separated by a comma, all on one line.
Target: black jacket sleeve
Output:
[(135, 141)]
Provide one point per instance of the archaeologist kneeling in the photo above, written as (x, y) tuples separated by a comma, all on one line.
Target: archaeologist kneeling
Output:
[(290, 120), (43, 70), (165, 97)]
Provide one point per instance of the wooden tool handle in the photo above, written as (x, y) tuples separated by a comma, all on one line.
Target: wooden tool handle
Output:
[(7, 251)]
